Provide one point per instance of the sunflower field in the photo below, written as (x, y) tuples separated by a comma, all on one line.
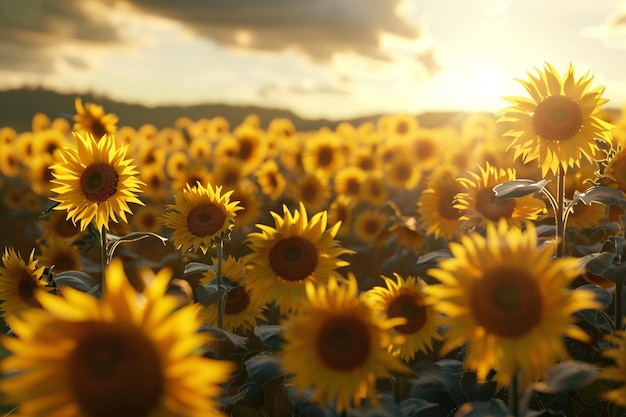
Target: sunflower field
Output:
[(386, 269)]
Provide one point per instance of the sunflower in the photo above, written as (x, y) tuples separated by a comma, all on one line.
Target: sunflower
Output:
[(559, 124), (61, 255), (614, 173), (9, 161), (148, 219), (195, 173), (91, 119), (171, 139), (336, 345), (242, 309), (228, 173), (40, 121), (251, 149), (297, 250), (95, 182), (436, 203), (20, 279), (509, 301), (397, 125), (323, 153), (368, 224), (247, 193), (425, 149), (270, 179), (478, 201), (616, 372), (340, 211), (157, 185), (374, 190), (407, 298), (312, 189), (177, 163), (122, 355), (200, 150), (401, 172), (200, 216), (349, 182)]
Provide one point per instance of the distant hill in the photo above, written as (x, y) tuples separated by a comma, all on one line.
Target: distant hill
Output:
[(18, 106)]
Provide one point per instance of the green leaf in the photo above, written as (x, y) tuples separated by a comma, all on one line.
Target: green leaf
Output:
[(600, 194), (597, 263), (209, 294), (221, 334), (270, 335), (75, 279), (263, 367), (566, 377), (518, 188), (115, 241), (193, 268)]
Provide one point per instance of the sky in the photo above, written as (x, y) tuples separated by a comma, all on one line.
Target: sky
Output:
[(333, 59)]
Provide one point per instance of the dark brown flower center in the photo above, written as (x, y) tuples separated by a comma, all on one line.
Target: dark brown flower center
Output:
[(98, 129), (98, 182), (402, 171), (423, 149), (409, 305), (114, 370), (26, 286), (445, 204), (343, 343), (507, 302), (325, 156), (487, 206), (205, 220), (309, 191), (237, 300), (557, 118), (293, 258)]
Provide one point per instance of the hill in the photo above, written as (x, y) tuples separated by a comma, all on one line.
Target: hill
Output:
[(18, 106)]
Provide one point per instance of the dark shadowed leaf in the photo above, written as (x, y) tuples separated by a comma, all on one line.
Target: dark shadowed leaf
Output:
[(197, 268), (598, 263), (75, 279), (600, 194), (263, 367), (566, 377), (115, 241), (270, 335), (518, 188), (209, 294), (495, 408)]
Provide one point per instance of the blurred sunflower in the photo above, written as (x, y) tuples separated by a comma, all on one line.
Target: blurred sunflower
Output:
[(147, 219), (397, 125), (617, 371), (336, 345), (121, 355), (374, 190), (424, 148), (368, 224), (170, 139), (200, 150), (157, 185), (39, 174), (270, 179), (364, 159), (241, 310), (559, 124), (297, 250), (349, 182), (177, 163), (340, 211), (90, 119), (312, 189), (95, 182), (9, 161), (436, 203), (614, 172), (40, 121), (55, 225), (228, 173), (63, 256), (509, 300), (20, 279), (478, 200), (195, 173), (478, 128), (200, 216), (251, 149), (401, 172), (247, 193), (407, 298), (322, 153)]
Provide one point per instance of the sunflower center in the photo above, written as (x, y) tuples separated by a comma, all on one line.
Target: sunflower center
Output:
[(98, 129), (26, 289), (424, 149), (309, 191), (507, 302), (402, 171), (487, 206), (246, 149), (343, 343), (237, 300), (293, 258), (353, 186), (410, 306), (205, 220), (445, 204), (98, 182), (557, 118), (115, 370), (325, 156)]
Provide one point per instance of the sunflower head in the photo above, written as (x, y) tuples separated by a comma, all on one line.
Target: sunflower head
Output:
[(91, 119), (20, 280), (502, 293), (559, 124), (201, 217), (95, 182), (337, 345)]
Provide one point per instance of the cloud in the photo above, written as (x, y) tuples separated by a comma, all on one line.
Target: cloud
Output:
[(316, 28), (30, 34), (301, 89)]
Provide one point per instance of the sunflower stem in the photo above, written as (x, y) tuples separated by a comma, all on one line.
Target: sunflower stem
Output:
[(559, 216), (221, 302), (513, 395), (103, 247), (619, 321)]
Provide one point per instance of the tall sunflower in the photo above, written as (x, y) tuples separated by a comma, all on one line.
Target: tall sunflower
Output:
[(123, 355), (558, 125), (91, 119), (407, 298), (95, 182), (200, 216), (297, 250), (478, 200), (509, 301), (242, 309), (20, 279), (337, 345)]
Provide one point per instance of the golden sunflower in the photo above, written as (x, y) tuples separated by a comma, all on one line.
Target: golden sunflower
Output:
[(91, 119), (177, 163), (242, 309), (614, 174), (9, 161), (61, 255), (40, 121), (95, 182), (401, 172), (407, 298), (312, 189), (397, 125), (478, 201), (616, 372), (195, 173), (20, 279), (297, 250), (55, 225), (147, 219), (425, 149), (509, 300), (340, 211), (228, 173), (374, 190), (270, 179), (200, 216), (337, 345), (122, 355), (247, 193), (558, 125), (200, 150), (368, 224), (322, 153), (436, 204), (251, 149), (349, 182)]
